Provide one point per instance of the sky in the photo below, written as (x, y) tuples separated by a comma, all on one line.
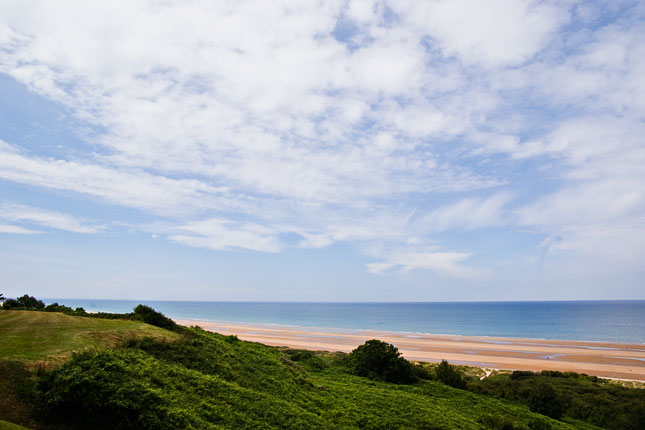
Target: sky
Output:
[(322, 150)]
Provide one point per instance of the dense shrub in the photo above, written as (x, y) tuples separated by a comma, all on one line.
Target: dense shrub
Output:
[(450, 375), (497, 422), (379, 360), (544, 400), (150, 316), (521, 374), (55, 307), (588, 398), (106, 390), (420, 371), (24, 302), (10, 304)]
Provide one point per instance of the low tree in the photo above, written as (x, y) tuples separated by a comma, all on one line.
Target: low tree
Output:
[(30, 302), (544, 400), (24, 302), (376, 359), (150, 316), (450, 375)]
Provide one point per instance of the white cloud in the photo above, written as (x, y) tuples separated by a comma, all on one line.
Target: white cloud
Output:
[(378, 268), (60, 221), (131, 187), (15, 229), (442, 263), (469, 213), (221, 234), (493, 33)]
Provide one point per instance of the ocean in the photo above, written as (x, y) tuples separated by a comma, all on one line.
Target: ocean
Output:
[(603, 321)]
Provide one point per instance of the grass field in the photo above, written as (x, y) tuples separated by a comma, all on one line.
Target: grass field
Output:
[(51, 337)]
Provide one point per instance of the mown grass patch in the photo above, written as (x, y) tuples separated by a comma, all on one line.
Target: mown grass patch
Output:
[(4, 425), (37, 337)]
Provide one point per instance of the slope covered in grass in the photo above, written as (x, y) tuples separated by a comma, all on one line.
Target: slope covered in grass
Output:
[(31, 336), (4, 425), (130, 375), (208, 381)]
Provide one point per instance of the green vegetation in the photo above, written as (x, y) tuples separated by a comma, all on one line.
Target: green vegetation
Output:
[(132, 375), (39, 336), (449, 375), (205, 380), (25, 302), (581, 397), (4, 425), (379, 360), (150, 316)]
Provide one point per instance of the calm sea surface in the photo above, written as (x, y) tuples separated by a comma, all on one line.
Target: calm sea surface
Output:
[(615, 321)]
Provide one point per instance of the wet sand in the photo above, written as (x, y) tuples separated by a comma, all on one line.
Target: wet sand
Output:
[(609, 360)]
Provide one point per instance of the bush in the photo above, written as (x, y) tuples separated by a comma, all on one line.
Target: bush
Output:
[(25, 302), (10, 304), (449, 375), (522, 374), (30, 302), (106, 390), (421, 372), (150, 316), (379, 360), (55, 307), (544, 400), (497, 422)]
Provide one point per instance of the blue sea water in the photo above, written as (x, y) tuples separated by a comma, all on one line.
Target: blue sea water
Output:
[(606, 321)]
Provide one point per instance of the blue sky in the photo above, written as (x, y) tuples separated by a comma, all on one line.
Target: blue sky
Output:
[(323, 150)]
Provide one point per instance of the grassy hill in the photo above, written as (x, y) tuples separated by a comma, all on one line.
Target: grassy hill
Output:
[(31, 337), (4, 425), (200, 380)]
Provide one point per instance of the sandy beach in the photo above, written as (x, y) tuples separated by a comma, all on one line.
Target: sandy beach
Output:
[(610, 360)]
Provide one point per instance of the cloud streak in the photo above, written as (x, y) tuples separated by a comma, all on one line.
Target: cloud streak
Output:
[(60, 221)]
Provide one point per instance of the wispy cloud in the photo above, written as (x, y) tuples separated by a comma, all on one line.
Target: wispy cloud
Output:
[(443, 263), (15, 229), (222, 234), (60, 221)]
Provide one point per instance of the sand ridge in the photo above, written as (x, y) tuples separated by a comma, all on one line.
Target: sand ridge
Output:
[(605, 359)]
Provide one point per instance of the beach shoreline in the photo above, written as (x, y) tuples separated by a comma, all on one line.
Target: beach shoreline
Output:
[(604, 359)]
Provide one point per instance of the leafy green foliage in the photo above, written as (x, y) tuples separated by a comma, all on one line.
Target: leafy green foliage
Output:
[(204, 381), (150, 316), (194, 379), (567, 394), (10, 304), (376, 359), (14, 385), (107, 391), (449, 375), (55, 307), (23, 302), (544, 400)]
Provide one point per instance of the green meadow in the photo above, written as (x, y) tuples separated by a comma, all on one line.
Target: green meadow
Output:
[(131, 375), (52, 336)]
